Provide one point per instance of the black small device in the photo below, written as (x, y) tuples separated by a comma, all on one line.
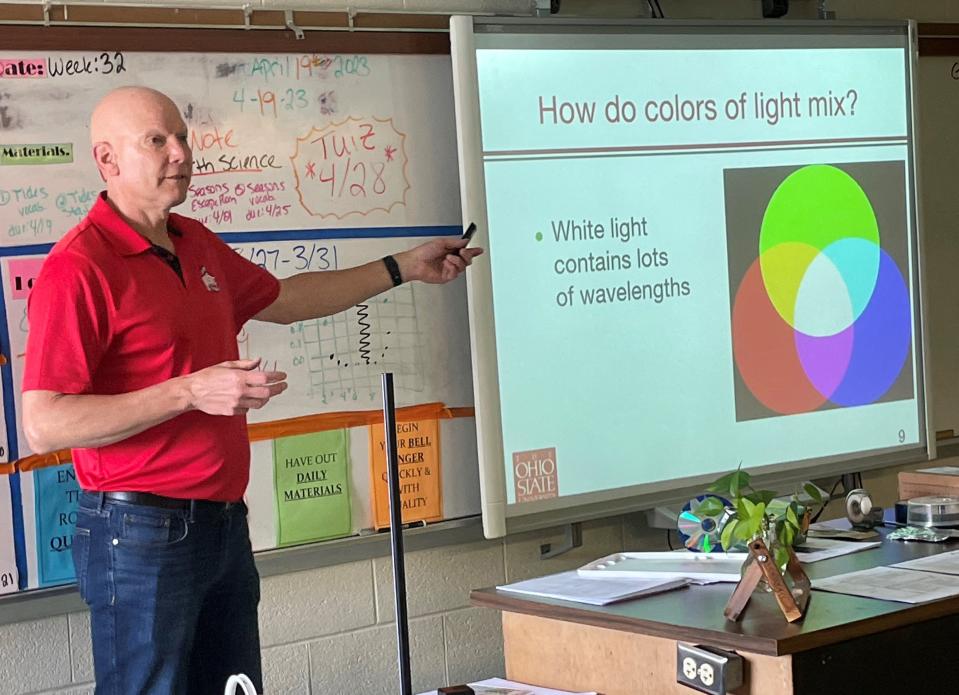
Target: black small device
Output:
[(467, 234), (775, 8)]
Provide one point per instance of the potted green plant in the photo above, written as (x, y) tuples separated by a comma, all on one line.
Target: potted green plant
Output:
[(756, 513)]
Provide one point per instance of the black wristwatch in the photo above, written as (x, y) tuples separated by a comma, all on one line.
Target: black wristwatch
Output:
[(394, 270)]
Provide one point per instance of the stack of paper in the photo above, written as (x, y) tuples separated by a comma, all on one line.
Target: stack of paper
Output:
[(705, 568), (839, 528), (570, 586), (892, 584), (944, 563)]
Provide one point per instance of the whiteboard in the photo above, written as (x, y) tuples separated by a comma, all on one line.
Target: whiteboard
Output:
[(279, 142), (302, 161)]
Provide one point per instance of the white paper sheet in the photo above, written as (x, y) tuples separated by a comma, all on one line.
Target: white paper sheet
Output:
[(944, 563), (598, 591), (892, 584), (825, 548), (500, 686)]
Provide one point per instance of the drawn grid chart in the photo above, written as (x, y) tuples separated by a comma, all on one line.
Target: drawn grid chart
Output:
[(346, 353), (416, 331)]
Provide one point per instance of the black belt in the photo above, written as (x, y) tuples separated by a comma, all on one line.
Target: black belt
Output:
[(148, 499)]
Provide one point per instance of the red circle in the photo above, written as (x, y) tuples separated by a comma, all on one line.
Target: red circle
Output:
[(764, 348)]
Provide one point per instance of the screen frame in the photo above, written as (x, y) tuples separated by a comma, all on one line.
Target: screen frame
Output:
[(500, 517)]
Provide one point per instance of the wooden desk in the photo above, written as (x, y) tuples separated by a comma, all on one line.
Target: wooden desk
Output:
[(845, 644)]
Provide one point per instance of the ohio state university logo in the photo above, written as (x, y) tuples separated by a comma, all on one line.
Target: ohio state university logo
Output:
[(208, 280), (535, 476)]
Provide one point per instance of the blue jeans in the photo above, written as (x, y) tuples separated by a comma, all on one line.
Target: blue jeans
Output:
[(173, 596)]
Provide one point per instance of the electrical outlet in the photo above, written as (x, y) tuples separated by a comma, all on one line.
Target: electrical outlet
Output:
[(706, 674), (707, 669)]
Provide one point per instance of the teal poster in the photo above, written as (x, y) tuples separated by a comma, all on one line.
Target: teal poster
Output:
[(57, 495)]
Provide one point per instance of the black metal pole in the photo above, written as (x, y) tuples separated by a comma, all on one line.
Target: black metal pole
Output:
[(396, 536)]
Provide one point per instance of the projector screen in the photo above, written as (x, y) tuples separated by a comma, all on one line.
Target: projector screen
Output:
[(701, 252)]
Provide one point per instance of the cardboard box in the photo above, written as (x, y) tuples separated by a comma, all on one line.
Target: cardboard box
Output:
[(942, 481)]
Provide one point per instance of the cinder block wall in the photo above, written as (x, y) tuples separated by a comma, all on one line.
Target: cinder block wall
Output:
[(330, 631)]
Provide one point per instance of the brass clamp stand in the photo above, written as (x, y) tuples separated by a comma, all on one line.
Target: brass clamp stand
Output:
[(761, 565)]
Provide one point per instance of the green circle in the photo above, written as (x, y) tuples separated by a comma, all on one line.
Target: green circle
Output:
[(817, 205), (812, 209), (539, 236)]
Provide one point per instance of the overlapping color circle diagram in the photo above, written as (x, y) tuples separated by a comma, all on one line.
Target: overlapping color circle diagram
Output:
[(823, 313)]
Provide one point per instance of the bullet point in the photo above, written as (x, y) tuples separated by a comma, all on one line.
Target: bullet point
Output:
[(539, 236)]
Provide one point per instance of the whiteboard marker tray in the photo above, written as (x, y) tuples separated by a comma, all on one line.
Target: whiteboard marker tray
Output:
[(700, 568)]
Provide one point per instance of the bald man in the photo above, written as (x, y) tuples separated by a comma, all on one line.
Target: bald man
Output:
[(132, 363)]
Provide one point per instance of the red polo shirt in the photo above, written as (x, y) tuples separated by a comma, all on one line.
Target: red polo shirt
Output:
[(107, 316)]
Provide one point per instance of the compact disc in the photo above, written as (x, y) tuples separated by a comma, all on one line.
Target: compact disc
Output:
[(700, 532)]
